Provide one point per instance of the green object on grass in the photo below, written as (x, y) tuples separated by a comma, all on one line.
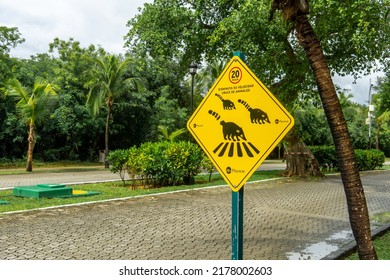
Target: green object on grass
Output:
[(50, 191), (42, 190)]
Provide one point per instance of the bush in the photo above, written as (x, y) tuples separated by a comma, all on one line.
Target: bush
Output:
[(207, 166), (326, 157), (160, 164), (134, 163), (366, 159), (369, 159), (118, 160)]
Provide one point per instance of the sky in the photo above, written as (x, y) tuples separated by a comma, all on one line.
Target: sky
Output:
[(97, 22)]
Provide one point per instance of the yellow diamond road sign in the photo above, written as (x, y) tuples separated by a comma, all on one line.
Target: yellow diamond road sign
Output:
[(239, 123)]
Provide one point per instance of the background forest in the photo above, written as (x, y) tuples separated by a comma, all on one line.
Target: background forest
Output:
[(145, 94)]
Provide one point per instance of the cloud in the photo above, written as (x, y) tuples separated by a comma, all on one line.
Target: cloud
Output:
[(358, 88), (98, 22)]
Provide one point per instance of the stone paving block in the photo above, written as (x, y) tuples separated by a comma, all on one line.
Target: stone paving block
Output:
[(280, 217)]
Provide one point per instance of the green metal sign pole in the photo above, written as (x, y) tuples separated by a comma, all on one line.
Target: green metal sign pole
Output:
[(238, 224), (238, 212)]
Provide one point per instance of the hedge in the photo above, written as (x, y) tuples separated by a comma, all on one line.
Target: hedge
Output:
[(160, 164), (366, 159)]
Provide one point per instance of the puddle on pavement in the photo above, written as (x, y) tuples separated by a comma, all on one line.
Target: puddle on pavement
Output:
[(321, 249)]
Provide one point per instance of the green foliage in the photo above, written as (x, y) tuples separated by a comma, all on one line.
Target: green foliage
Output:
[(314, 130), (362, 33), (310, 121), (70, 131), (165, 135), (382, 97), (366, 159), (163, 40), (134, 164), (107, 82), (383, 132), (34, 105), (381, 243), (160, 164), (369, 159), (207, 166), (10, 37), (12, 136), (326, 157), (354, 40), (382, 113), (192, 160), (118, 159), (168, 113)]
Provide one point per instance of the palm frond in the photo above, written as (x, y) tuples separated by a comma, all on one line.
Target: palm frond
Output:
[(176, 134), (15, 90), (164, 132), (33, 105), (108, 83)]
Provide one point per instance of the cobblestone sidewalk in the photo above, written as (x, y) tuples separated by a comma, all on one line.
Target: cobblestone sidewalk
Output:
[(283, 219)]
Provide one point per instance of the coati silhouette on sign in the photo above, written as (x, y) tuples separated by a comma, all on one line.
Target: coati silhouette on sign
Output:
[(230, 130), (256, 115), (226, 103)]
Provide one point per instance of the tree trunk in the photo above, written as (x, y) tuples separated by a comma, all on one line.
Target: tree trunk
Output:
[(379, 122), (356, 201), (299, 159), (31, 144), (106, 134)]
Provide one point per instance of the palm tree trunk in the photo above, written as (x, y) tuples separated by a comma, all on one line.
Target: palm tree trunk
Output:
[(356, 201), (31, 144), (106, 135)]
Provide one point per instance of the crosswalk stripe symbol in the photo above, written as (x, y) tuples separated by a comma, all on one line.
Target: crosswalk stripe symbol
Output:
[(247, 150), (223, 150), (239, 151), (217, 148), (231, 150), (248, 147), (254, 148)]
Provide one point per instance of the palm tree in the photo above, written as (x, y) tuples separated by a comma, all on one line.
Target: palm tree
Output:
[(107, 85), (165, 135), (34, 106), (296, 11)]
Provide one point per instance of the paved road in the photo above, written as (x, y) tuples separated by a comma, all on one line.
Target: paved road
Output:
[(57, 177), (79, 176), (284, 219)]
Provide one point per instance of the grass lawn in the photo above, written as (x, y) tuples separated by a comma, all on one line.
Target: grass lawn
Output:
[(382, 247), (381, 243), (115, 190)]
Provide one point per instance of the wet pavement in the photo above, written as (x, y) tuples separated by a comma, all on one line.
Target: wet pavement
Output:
[(283, 219)]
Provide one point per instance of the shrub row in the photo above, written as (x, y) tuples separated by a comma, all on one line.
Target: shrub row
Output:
[(159, 164), (366, 159)]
